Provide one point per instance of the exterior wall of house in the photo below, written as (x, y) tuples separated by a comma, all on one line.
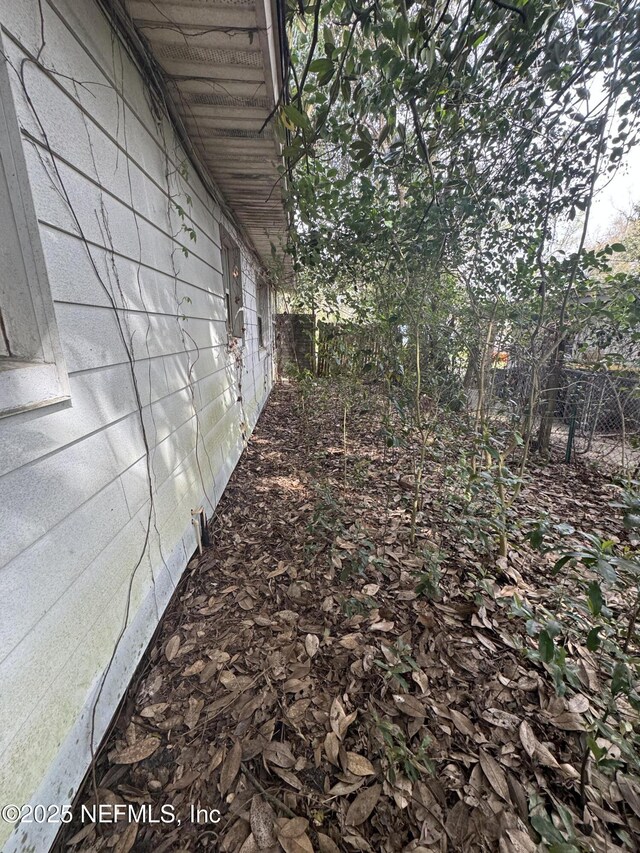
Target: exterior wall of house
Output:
[(96, 496)]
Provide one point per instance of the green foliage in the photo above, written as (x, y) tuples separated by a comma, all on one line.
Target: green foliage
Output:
[(429, 578), (399, 662), (435, 154), (402, 761), (326, 520)]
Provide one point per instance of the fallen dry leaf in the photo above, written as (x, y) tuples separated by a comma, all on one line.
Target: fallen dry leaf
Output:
[(136, 752), (171, 649), (340, 720), (262, 820), (230, 767), (311, 644), (528, 739), (363, 805), (359, 765), (495, 774), (293, 837), (326, 844), (409, 705), (127, 839)]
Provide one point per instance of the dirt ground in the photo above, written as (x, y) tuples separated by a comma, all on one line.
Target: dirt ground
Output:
[(308, 688)]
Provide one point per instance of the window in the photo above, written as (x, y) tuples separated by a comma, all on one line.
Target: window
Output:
[(232, 278), (263, 312), (32, 371)]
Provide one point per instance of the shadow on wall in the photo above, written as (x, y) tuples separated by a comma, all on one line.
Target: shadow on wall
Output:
[(79, 522)]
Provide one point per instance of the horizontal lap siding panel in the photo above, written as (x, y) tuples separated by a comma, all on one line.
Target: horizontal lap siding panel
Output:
[(144, 288), (101, 397), (122, 114), (27, 505), (74, 483), (108, 223), (48, 690), (79, 538), (92, 337), (169, 455), (93, 522), (35, 498)]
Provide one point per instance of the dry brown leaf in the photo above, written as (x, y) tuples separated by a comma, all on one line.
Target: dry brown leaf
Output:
[(235, 837), (363, 805), (457, 824), (326, 844), (154, 710), (136, 752), (85, 832), (382, 626), (343, 789), (171, 649), (127, 839), (568, 722), (230, 768), (291, 827), (279, 571), (193, 712), (228, 679), (499, 718), (409, 705), (293, 837), (301, 844), (184, 782), (279, 752), (579, 704), (311, 644), (332, 747), (297, 710), (462, 723), (630, 792), (545, 756), (339, 719), (495, 774), (195, 668), (209, 671), (351, 641), (262, 820), (420, 679), (250, 845), (401, 791), (528, 739), (288, 777), (359, 765), (516, 841)]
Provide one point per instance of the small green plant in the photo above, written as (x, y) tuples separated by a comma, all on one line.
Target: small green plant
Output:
[(595, 569), (326, 520), (429, 578), (357, 562), (401, 759), (398, 663), (630, 506), (358, 606)]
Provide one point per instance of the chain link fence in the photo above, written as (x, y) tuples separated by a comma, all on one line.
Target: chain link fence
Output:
[(596, 411)]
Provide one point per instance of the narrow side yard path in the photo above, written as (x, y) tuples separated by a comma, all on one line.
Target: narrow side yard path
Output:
[(329, 687)]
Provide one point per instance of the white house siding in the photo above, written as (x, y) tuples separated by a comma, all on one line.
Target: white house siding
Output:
[(75, 505)]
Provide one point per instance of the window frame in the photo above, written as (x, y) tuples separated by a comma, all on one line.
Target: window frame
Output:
[(32, 369), (263, 305), (233, 290)]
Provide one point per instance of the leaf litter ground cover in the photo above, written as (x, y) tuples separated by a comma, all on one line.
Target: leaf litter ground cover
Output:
[(328, 686)]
